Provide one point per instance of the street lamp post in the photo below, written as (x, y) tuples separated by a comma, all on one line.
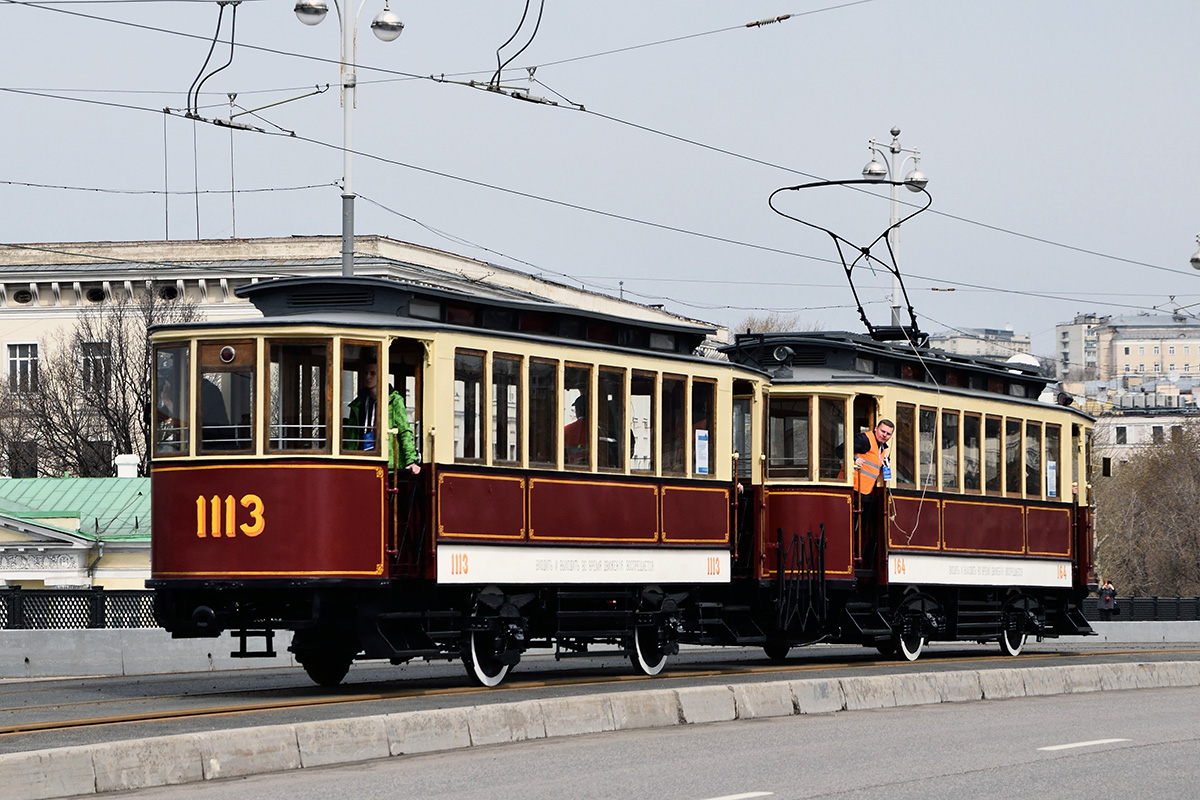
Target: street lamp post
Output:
[(387, 27), (914, 180), (1195, 260)]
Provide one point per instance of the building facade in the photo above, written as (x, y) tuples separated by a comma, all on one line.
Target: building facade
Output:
[(1134, 350), (998, 343), (46, 288)]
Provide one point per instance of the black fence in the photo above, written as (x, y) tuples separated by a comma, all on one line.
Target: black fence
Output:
[(60, 609), (1148, 609)]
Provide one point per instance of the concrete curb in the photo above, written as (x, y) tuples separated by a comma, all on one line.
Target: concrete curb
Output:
[(194, 757)]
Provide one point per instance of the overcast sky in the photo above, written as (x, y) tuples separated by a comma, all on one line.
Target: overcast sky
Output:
[(1059, 139)]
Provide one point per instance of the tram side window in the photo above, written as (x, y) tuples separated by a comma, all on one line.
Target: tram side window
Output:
[(1053, 460), (1033, 459), (972, 465), (641, 422), (360, 384), (831, 441), (297, 378), (905, 444), (468, 406), (172, 375), (789, 431), (610, 408), (674, 409), (703, 451), (927, 434), (227, 397), (506, 409), (950, 450), (577, 432), (1012, 457), (992, 448), (543, 413)]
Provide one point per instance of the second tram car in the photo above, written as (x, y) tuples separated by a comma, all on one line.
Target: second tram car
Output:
[(590, 482)]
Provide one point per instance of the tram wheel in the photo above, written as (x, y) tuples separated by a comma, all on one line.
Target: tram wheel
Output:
[(326, 668), (776, 650), (910, 644), (648, 655), (480, 657), (886, 648), (1011, 642)]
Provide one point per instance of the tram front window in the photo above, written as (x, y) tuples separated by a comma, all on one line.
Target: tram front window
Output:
[(172, 375), (297, 377), (226, 397), (789, 426)]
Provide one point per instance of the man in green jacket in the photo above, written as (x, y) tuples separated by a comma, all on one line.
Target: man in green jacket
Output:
[(360, 427)]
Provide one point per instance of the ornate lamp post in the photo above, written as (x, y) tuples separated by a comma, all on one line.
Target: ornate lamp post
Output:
[(915, 180), (387, 27)]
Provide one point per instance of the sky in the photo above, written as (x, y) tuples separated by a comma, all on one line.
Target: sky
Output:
[(1058, 136)]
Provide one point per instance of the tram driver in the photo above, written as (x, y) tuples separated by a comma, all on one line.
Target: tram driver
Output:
[(871, 469)]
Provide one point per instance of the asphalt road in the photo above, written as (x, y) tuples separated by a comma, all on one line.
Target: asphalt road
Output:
[(247, 698), (1131, 744)]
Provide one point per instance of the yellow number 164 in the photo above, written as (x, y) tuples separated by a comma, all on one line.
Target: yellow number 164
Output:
[(224, 523)]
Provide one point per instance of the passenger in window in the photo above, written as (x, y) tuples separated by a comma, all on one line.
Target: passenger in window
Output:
[(576, 435), (361, 425), (871, 469)]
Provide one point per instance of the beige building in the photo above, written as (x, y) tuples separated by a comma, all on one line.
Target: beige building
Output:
[(997, 343), (1135, 350)]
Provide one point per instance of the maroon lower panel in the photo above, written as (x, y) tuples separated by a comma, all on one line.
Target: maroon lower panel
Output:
[(798, 511), (1049, 531), (982, 527), (267, 520), (695, 515), (917, 524), (481, 507), (592, 512)]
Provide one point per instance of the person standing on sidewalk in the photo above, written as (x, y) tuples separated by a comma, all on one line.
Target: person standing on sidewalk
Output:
[(1108, 601)]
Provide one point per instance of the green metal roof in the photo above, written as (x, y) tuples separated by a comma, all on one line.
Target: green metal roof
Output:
[(107, 508)]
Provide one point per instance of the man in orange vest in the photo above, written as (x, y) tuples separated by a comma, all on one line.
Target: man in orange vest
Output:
[(871, 470)]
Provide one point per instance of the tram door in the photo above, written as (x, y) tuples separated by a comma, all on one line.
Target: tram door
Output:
[(408, 517), (870, 517), (746, 498)]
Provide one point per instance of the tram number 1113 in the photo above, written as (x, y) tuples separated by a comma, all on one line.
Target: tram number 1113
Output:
[(217, 516)]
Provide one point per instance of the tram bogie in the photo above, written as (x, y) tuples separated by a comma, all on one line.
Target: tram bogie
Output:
[(588, 485)]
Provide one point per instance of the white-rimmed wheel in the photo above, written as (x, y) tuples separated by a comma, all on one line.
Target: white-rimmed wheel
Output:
[(1020, 614), (910, 644), (1012, 642), (482, 659), (648, 656), (917, 617), (493, 639)]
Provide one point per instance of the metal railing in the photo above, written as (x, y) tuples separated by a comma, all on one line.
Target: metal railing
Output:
[(1148, 609), (73, 609)]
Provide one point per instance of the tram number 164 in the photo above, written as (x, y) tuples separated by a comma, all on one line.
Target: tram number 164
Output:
[(218, 516)]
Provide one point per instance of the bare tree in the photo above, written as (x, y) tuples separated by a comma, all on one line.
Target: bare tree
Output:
[(92, 396), (774, 322), (1147, 538)]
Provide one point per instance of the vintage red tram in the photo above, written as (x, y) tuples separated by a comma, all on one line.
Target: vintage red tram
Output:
[(588, 481)]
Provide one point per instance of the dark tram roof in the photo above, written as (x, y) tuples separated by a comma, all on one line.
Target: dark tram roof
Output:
[(364, 300), (837, 355)]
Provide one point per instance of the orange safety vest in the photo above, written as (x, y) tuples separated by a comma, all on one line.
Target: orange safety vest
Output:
[(866, 475)]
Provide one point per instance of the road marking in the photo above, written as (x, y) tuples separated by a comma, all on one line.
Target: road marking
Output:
[(1083, 744), (745, 796)]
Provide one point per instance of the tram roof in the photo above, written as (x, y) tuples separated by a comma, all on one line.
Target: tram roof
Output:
[(372, 302), (808, 356)]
